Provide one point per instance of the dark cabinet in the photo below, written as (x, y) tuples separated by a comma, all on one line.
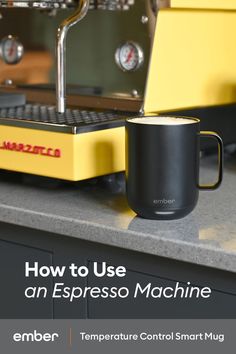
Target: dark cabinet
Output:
[(218, 305), (19, 244), (13, 303)]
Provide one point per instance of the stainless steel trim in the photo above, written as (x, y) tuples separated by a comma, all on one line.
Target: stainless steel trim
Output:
[(38, 125), (78, 15), (73, 121), (59, 128)]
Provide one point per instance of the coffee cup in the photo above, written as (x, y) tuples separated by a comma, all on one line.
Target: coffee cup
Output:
[(162, 165)]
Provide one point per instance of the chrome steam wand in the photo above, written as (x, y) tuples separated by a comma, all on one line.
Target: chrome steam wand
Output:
[(77, 16)]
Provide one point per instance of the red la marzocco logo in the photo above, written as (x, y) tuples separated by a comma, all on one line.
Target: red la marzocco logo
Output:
[(31, 149)]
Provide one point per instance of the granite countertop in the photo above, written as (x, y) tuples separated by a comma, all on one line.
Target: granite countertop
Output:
[(98, 211)]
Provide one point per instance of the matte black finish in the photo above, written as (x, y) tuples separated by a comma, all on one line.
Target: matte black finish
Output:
[(162, 168)]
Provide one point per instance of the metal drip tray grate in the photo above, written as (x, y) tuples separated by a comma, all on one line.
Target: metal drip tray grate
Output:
[(73, 120)]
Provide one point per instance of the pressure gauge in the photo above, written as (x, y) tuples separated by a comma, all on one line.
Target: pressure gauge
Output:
[(11, 50), (129, 56)]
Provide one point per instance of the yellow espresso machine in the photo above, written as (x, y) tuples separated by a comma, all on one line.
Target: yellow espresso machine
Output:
[(191, 70)]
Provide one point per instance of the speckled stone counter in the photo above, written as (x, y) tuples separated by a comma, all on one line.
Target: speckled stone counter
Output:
[(98, 212)]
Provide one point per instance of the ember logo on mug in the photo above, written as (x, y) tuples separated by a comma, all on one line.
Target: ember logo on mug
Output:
[(162, 165), (163, 201)]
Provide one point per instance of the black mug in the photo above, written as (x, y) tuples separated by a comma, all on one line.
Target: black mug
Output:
[(162, 165)]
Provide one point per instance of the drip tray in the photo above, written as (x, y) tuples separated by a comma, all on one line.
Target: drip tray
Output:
[(74, 121)]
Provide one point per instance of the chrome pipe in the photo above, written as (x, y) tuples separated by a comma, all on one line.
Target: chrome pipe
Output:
[(62, 31)]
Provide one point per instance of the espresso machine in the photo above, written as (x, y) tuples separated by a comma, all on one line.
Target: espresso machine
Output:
[(189, 69)]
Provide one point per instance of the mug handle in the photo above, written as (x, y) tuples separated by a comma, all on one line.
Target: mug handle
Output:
[(213, 135)]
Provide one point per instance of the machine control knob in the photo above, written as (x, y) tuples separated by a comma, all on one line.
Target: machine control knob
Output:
[(11, 50)]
